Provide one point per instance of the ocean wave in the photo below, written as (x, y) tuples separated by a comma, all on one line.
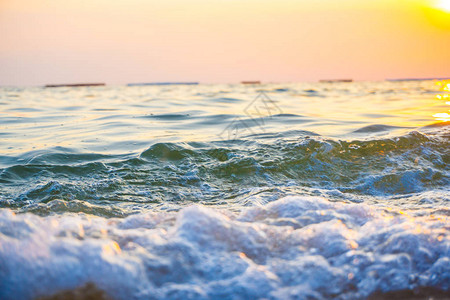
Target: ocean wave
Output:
[(209, 172), (376, 128), (294, 248)]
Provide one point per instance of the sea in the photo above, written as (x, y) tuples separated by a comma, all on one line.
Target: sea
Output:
[(330, 190)]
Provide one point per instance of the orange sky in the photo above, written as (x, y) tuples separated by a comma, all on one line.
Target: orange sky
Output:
[(121, 41)]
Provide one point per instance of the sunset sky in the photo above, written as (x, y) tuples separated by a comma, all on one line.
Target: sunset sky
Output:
[(221, 41)]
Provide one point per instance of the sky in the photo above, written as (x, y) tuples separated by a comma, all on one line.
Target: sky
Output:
[(221, 41)]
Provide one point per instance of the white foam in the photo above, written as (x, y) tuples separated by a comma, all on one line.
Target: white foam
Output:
[(296, 247)]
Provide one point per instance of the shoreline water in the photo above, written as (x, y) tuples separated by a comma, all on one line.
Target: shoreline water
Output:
[(212, 191)]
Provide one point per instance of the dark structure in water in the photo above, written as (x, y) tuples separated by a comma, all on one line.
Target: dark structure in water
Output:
[(162, 83), (335, 80), (251, 82), (419, 79), (74, 85)]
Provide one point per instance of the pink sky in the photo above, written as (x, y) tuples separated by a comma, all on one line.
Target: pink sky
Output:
[(221, 41)]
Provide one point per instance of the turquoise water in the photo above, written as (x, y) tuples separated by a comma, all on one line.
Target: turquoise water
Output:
[(211, 191)]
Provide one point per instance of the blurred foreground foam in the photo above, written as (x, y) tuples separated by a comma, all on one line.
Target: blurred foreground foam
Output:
[(296, 247)]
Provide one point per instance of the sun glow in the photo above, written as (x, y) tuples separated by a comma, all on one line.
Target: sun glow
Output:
[(443, 5), (438, 13)]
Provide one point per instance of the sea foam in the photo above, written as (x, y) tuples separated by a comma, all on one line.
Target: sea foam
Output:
[(295, 248)]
